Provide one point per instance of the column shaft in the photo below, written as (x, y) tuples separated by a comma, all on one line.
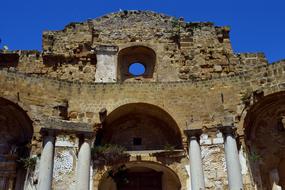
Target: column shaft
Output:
[(196, 169), (83, 167), (233, 164), (46, 164)]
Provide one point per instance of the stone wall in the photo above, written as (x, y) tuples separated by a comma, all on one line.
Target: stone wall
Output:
[(185, 50), (197, 79), (86, 99)]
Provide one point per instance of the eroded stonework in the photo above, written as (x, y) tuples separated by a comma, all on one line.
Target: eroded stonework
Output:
[(67, 110)]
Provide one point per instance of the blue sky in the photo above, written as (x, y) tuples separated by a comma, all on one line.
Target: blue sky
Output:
[(256, 25)]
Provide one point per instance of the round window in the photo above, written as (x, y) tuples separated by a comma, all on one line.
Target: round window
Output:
[(137, 69)]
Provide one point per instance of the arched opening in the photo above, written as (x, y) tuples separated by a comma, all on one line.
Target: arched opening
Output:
[(265, 137), (16, 132), (140, 176), (141, 56), (140, 126)]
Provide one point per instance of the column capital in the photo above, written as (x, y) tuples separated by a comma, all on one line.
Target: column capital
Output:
[(193, 133), (54, 132), (228, 129), (107, 48), (86, 136), (48, 132)]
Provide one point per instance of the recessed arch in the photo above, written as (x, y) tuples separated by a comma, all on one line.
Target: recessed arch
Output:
[(270, 102), (264, 127), (16, 132), (15, 123), (140, 126), (145, 171), (136, 54)]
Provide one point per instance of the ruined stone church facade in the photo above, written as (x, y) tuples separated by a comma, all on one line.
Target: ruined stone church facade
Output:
[(200, 116)]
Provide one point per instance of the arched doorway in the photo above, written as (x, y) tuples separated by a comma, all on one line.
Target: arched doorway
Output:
[(140, 126), (16, 132), (265, 137), (141, 176)]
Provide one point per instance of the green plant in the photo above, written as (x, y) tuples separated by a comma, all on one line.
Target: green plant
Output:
[(175, 32), (175, 26), (169, 147), (29, 163), (246, 96), (254, 156), (108, 154), (119, 175)]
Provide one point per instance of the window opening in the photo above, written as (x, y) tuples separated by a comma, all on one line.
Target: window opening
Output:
[(137, 141), (136, 69)]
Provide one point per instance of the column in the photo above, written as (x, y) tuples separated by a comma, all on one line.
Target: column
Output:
[(196, 169), (232, 159), (274, 179), (46, 163), (83, 165)]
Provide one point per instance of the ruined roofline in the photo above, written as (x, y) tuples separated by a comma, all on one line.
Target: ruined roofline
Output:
[(278, 61), (125, 13), (169, 48)]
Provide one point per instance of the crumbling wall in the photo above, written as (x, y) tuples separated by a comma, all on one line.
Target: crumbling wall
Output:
[(184, 50), (80, 67), (194, 61)]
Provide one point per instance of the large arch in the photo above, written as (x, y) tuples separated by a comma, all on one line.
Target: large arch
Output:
[(143, 175), (136, 54), (265, 136), (16, 132), (140, 126)]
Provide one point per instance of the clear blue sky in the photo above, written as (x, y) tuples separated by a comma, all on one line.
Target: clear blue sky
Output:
[(256, 25)]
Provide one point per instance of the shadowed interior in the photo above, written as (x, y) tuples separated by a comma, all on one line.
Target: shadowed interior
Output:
[(265, 136), (141, 126)]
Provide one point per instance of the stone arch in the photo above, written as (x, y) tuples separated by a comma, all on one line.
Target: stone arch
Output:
[(273, 89), (143, 122), (136, 54), (143, 169), (16, 132), (16, 122), (264, 127)]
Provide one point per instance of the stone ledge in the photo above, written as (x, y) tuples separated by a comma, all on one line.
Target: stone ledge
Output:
[(57, 127)]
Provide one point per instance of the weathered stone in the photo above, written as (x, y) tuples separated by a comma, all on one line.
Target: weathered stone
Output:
[(192, 80), (218, 68)]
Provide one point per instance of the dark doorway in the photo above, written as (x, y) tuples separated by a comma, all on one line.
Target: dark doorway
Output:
[(150, 180)]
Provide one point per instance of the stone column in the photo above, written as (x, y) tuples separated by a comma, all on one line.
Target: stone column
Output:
[(46, 163), (196, 168), (83, 165), (274, 179), (232, 159)]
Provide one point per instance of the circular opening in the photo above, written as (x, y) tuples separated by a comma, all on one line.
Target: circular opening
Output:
[(137, 69)]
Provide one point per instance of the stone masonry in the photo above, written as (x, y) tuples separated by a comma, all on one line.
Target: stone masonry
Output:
[(200, 117)]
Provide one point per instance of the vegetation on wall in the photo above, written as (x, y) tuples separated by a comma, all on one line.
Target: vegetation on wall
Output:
[(253, 156), (175, 32), (169, 147), (119, 175), (29, 163), (109, 154)]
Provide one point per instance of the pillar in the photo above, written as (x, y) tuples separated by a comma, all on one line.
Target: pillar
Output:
[(232, 159), (83, 165), (196, 168), (274, 179), (106, 66), (46, 163)]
